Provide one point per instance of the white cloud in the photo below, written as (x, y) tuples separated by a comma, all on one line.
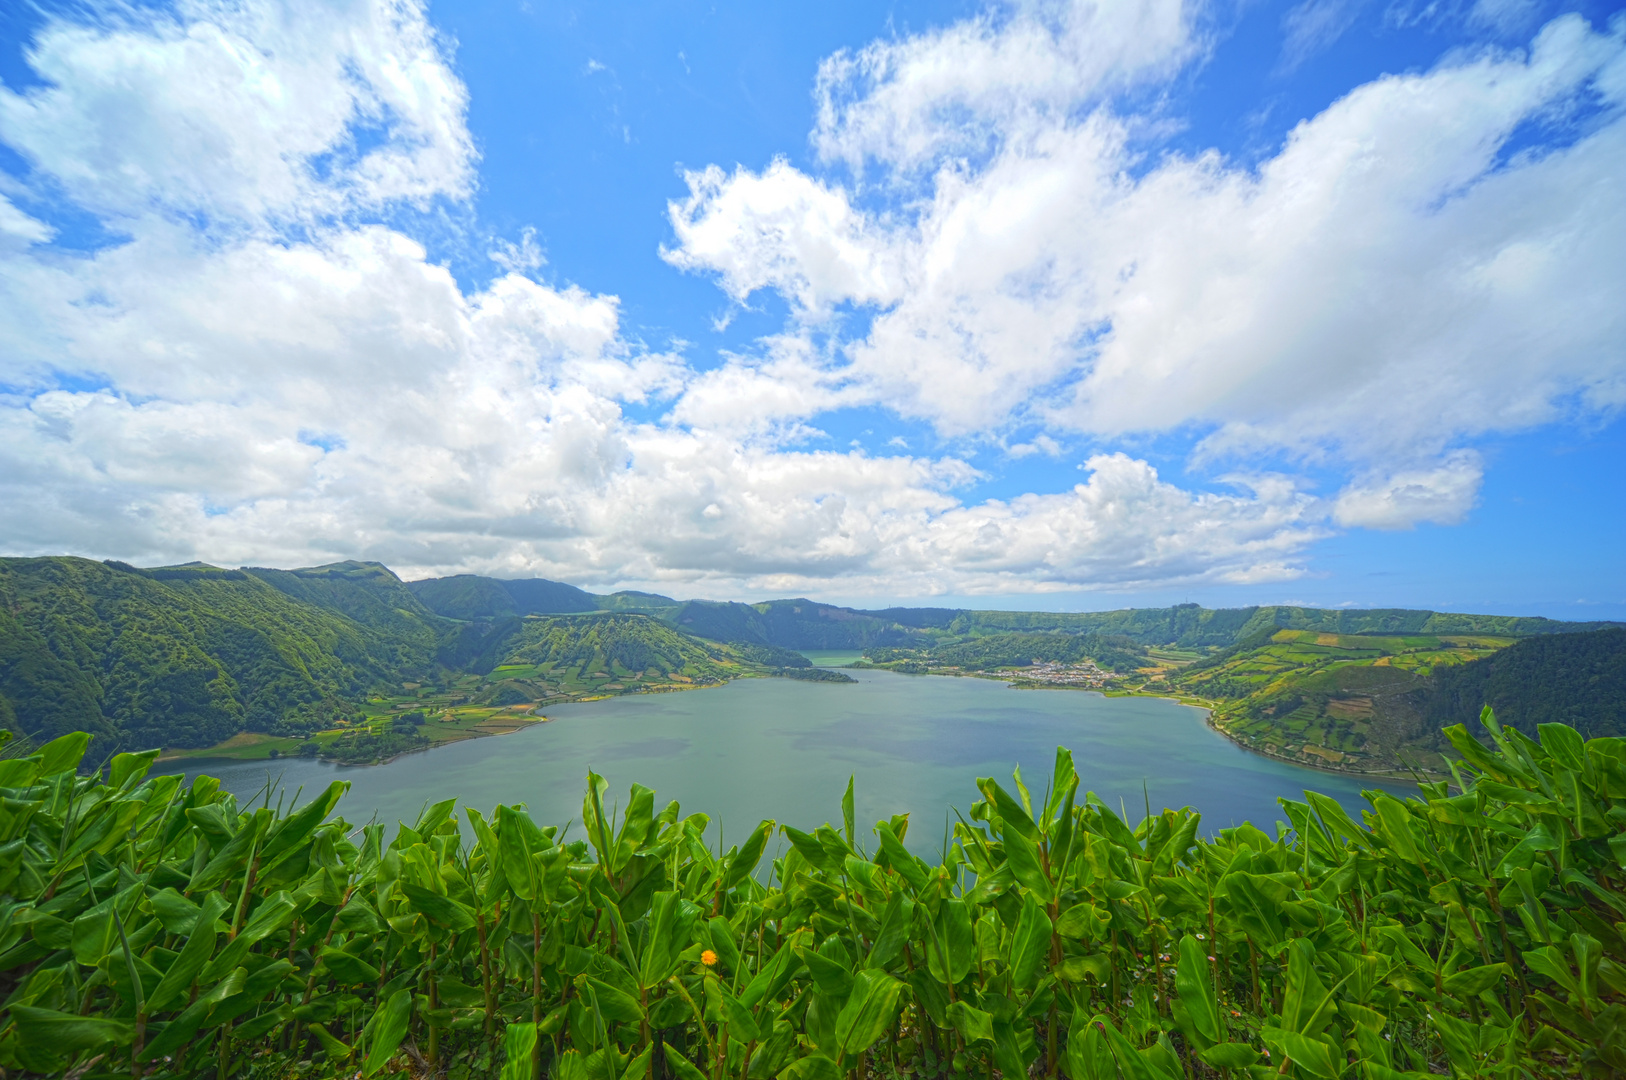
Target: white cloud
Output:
[(287, 395), (1506, 16), (1313, 25), (1041, 444), (244, 111), (260, 370), (1442, 495), (520, 258), (1124, 527), (991, 79), (780, 230), (17, 227), (1387, 285)]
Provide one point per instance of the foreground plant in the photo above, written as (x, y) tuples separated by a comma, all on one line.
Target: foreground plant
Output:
[(150, 927)]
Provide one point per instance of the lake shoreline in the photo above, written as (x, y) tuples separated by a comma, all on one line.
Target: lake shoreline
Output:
[(1207, 708), (207, 754)]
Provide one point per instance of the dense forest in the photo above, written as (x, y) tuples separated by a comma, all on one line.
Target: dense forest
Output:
[(1574, 679), (189, 655)]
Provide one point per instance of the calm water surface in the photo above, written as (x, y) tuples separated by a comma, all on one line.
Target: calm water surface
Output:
[(783, 749)]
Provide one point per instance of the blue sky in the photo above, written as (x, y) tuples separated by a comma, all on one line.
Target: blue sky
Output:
[(1060, 305)]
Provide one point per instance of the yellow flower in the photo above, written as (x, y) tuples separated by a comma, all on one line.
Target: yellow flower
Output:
[(708, 958)]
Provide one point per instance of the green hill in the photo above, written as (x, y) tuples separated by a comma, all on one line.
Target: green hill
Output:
[(468, 596), (792, 624), (1191, 626), (1374, 701), (1574, 679), (190, 655), (571, 655)]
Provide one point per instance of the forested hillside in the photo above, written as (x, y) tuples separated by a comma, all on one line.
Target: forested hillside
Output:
[(575, 654), (1574, 679), (1378, 700), (1192, 626), (189, 655), (467, 596)]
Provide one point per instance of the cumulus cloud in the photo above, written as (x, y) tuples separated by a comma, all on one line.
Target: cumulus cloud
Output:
[(1393, 282), (262, 367), (1442, 495), (996, 79), (244, 111), (781, 230)]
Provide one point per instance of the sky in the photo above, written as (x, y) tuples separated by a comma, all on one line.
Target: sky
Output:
[(1063, 306)]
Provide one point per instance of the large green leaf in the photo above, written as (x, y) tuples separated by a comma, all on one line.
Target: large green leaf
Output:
[(286, 837), (274, 913), (741, 1024), (954, 941), (1011, 813), (972, 1023), (1307, 1004), (1089, 1057), (812, 1067), (127, 770), (56, 1032), (684, 1068), (1313, 1056), (890, 939), (869, 1011), (200, 946), (63, 754), (745, 860), (439, 909), (613, 1002), (518, 1041), (348, 969), (1475, 981), (634, 827), (386, 1030), (1133, 1064), (233, 859), (1196, 990), (1230, 1055), (833, 978), (1030, 944), (1396, 822), (907, 866)]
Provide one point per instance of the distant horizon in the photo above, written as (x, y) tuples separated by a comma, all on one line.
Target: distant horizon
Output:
[(1030, 602)]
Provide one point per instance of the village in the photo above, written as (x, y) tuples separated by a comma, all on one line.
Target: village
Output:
[(1051, 673)]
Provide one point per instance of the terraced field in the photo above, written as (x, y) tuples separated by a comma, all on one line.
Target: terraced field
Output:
[(1337, 700)]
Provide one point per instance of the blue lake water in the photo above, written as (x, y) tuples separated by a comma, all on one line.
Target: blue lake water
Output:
[(783, 749)]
